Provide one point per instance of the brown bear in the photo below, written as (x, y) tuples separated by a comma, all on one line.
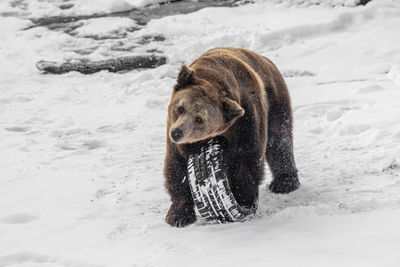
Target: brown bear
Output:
[(241, 96)]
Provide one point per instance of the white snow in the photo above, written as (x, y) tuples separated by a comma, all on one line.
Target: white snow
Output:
[(108, 6), (101, 27), (81, 156), (48, 8), (394, 73)]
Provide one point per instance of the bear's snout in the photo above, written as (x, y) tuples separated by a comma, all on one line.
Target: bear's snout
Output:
[(176, 134)]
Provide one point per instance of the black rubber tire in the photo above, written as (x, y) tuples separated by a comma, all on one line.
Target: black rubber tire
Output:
[(209, 185)]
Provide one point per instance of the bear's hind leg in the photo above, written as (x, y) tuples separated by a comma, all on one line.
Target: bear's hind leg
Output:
[(279, 151)]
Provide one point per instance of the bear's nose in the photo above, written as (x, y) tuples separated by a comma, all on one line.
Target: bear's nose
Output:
[(176, 134)]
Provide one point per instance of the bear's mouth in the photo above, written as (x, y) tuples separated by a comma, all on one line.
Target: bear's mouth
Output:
[(190, 141)]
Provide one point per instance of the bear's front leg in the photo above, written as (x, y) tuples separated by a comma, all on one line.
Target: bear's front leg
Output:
[(181, 212), (245, 171)]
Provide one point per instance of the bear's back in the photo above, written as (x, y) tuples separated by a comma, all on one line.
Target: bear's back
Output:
[(269, 74)]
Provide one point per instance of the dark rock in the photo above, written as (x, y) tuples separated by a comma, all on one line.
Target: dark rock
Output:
[(364, 2), (112, 65)]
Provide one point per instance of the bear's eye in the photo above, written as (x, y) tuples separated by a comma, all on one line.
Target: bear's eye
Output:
[(198, 120), (181, 110)]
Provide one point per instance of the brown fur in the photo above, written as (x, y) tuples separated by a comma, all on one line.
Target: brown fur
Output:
[(241, 96)]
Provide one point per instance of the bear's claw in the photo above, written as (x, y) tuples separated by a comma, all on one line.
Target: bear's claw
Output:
[(284, 185)]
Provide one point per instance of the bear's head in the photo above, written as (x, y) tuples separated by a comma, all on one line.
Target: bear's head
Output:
[(198, 110)]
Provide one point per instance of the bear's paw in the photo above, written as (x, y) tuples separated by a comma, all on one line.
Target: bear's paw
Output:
[(180, 216), (284, 185)]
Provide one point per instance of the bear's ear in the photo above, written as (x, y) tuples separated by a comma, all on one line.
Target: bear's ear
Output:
[(185, 78), (231, 111)]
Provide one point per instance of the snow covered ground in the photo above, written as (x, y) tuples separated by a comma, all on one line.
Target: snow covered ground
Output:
[(81, 157)]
